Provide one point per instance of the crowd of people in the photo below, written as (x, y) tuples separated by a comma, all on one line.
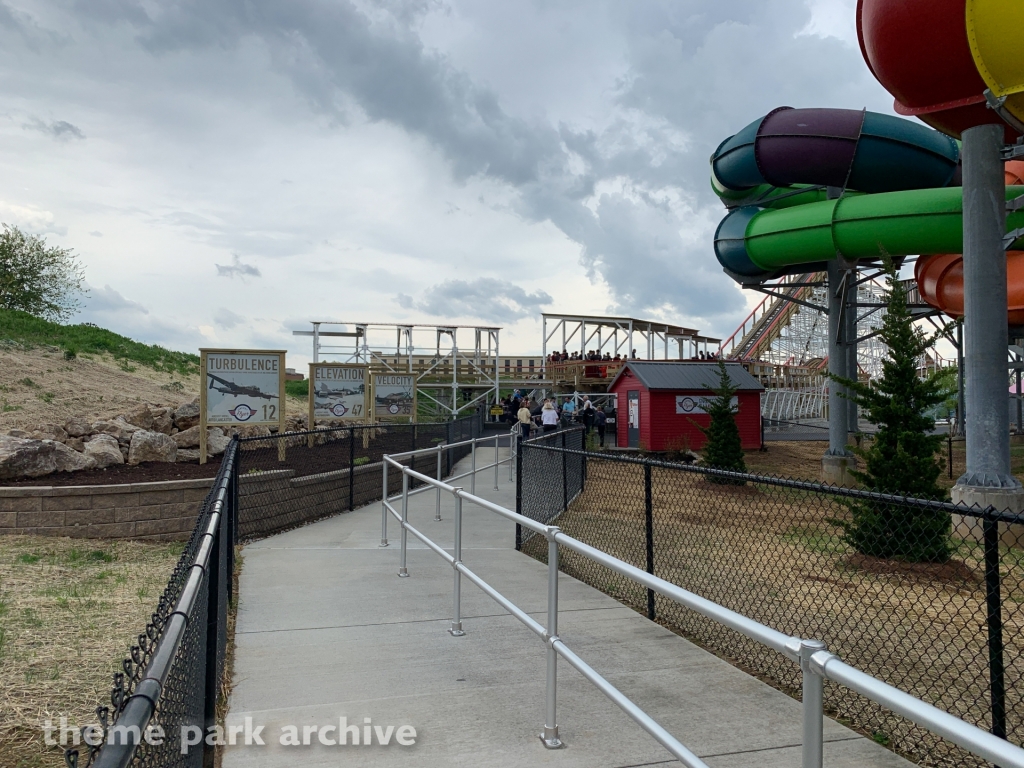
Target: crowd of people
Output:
[(592, 355), (549, 415), (595, 356)]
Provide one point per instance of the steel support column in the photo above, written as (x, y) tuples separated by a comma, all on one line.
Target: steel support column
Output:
[(985, 312)]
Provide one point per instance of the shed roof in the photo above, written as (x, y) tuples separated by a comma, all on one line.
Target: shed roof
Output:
[(687, 376)]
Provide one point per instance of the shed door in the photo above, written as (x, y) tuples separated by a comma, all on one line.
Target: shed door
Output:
[(633, 416)]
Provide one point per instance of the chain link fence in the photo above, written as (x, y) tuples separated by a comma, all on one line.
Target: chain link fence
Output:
[(296, 478), (924, 595), (171, 681)]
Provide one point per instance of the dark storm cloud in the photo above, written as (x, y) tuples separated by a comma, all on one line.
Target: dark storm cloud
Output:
[(237, 268), (486, 298), (58, 129), (630, 187)]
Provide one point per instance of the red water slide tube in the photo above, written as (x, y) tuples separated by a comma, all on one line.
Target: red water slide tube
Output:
[(940, 278), (919, 51)]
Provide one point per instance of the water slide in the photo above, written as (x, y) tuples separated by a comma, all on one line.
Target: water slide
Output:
[(805, 186)]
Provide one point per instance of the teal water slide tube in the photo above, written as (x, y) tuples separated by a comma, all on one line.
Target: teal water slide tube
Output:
[(775, 174)]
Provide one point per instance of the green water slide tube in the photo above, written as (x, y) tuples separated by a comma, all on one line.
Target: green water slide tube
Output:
[(752, 242)]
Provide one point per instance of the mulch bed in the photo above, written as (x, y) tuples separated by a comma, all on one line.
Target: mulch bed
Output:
[(147, 472)]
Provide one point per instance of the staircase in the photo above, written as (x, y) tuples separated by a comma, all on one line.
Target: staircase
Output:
[(765, 324)]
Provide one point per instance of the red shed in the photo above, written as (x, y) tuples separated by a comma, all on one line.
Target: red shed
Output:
[(659, 404)]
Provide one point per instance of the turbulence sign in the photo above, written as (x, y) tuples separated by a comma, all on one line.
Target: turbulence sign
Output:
[(394, 396), (242, 387), (337, 391)]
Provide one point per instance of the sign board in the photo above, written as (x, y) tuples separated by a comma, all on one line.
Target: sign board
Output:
[(394, 396), (240, 386), (338, 392), (689, 405)]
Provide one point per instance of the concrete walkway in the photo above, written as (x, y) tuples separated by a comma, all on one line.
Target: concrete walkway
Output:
[(327, 630)]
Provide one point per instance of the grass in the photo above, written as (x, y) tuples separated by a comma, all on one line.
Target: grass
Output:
[(76, 340), (69, 611), (299, 389), (776, 556)]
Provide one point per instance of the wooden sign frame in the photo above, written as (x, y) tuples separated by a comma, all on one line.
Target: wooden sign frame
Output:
[(368, 403), (206, 385), (395, 418)]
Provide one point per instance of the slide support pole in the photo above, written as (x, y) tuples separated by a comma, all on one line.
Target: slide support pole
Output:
[(985, 310)]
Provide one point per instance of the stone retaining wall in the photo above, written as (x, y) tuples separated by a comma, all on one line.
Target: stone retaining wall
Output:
[(164, 510)]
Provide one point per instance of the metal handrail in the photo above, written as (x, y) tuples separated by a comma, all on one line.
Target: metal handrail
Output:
[(816, 663)]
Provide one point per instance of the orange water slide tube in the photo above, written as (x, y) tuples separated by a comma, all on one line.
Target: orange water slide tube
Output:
[(940, 278)]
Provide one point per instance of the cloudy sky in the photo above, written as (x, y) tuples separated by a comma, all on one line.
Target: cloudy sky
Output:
[(230, 170)]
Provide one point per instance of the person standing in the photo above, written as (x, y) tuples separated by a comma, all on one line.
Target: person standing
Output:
[(587, 415), (525, 420), (549, 417), (600, 420)]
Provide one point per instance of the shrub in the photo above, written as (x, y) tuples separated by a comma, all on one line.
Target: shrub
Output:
[(723, 449)]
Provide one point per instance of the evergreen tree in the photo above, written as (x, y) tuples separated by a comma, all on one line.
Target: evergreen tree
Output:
[(902, 458), (723, 449)]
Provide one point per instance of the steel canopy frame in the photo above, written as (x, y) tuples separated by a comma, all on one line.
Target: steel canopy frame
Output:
[(616, 335), (473, 366)]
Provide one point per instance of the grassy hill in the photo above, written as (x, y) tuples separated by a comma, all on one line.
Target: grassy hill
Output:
[(31, 332)]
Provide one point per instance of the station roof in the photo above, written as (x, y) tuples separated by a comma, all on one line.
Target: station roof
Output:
[(687, 376), (637, 324)]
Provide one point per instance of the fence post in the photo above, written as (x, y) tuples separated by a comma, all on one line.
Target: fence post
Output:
[(812, 705), (384, 507), (456, 628), (994, 620), (550, 735), (518, 438), (231, 527), (352, 468), (649, 528), (472, 465), (565, 478), (402, 569), (437, 499), (448, 453), (949, 441), (496, 463), (213, 610)]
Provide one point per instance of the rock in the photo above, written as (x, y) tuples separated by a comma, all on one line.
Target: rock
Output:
[(77, 427), (188, 454), (24, 458), (253, 430), (216, 442), (68, 459), (188, 438), (49, 432), (104, 449), (33, 458), (75, 444), (141, 417), (118, 428), (151, 446), (18, 433), (187, 415), (163, 420)]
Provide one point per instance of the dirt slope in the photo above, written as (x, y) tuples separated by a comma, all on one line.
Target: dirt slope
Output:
[(38, 386)]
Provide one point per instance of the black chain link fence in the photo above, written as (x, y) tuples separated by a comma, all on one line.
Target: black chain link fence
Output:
[(292, 479), (173, 676), (814, 561)]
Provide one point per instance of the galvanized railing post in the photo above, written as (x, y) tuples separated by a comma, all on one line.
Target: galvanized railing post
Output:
[(437, 511), (472, 467), (496, 462), (813, 704), (402, 569), (456, 629), (550, 735), (384, 507)]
